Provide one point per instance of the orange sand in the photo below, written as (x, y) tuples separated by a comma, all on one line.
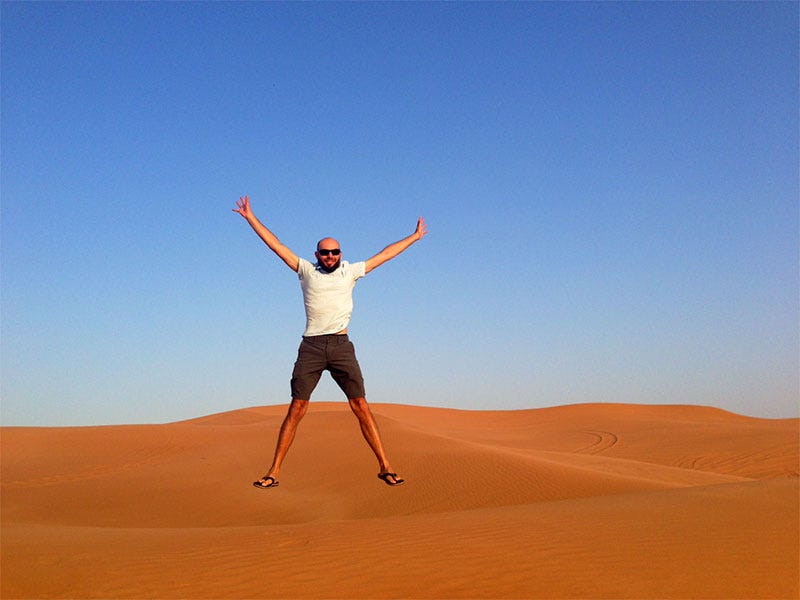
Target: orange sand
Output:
[(584, 501)]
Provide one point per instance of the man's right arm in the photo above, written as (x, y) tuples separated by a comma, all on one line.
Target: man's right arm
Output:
[(269, 238)]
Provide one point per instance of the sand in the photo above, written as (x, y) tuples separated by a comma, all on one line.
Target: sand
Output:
[(582, 501)]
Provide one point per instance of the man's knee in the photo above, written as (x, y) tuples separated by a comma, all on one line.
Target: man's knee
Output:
[(359, 405), (297, 409)]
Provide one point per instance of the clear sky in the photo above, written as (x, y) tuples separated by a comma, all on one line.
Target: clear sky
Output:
[(611, 191)]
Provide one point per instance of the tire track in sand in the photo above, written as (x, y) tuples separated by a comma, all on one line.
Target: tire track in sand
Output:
[(601, 441)]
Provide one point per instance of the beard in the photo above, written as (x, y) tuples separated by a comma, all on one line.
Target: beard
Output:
[(332, 268)]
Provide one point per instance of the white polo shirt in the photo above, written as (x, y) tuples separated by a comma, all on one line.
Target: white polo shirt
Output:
[(328, 297)]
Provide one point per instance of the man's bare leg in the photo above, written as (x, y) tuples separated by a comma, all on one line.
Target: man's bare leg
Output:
[(297, 410), (369, 429)]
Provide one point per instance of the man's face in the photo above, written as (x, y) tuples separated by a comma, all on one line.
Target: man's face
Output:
[(328, 254)]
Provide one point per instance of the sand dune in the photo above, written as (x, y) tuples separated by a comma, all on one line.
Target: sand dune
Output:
[(583, 501)]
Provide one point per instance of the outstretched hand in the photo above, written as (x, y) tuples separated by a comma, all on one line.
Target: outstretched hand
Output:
[(243, 207), (422, 229)]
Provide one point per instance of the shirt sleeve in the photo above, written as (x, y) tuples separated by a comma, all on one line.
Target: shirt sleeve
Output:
[(303, 267), (359, 270)]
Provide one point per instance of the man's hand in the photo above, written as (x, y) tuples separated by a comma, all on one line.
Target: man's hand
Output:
[(422, 229), (243, 207)]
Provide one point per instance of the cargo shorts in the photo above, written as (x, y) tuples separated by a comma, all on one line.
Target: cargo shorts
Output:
[(334, 353)]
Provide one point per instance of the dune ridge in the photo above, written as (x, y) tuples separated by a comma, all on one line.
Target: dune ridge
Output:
[(578, 501)]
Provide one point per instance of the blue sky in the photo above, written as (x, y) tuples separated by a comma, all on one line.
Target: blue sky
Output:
[(611, 191)]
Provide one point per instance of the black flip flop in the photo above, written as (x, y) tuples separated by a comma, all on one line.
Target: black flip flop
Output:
[(262, 483), (385, 478)]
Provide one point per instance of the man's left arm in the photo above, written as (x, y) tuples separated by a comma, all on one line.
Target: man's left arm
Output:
[(393, 250)]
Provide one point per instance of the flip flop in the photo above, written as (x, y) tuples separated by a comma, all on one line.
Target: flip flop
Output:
[(263, 482), (385, 478)]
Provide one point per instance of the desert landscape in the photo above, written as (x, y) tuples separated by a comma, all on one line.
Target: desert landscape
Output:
[(577, 501)]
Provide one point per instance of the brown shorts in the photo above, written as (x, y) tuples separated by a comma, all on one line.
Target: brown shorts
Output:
[(334, 353)]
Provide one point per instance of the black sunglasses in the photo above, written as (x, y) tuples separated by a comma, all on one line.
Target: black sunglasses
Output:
[(325, 252)]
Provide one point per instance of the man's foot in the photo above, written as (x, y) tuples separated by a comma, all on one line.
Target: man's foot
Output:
[(390, 478), (267, 481)]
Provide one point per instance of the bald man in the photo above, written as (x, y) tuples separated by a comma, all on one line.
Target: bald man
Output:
[(328, 297)]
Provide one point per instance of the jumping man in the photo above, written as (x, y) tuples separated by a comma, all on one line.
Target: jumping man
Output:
[(328, 296)]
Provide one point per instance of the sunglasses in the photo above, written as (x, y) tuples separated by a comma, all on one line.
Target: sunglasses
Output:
[(325, 251)]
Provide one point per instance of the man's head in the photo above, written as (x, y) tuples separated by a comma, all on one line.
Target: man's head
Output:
[(328, 254)]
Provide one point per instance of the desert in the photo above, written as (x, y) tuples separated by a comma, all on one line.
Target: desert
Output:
[(573, 501)]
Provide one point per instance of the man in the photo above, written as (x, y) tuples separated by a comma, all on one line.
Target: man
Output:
[(328, 296)]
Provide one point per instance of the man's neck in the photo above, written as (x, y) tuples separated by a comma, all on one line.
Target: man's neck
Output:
[(326, 269)]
